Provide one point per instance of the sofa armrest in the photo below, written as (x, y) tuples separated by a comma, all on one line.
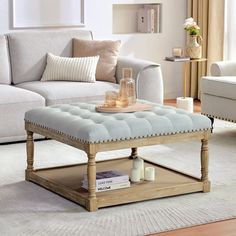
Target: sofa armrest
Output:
[(147, 75), (223, 68)]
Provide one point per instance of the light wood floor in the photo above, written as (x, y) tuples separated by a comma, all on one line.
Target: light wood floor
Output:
[(172, 102), (221, 228)]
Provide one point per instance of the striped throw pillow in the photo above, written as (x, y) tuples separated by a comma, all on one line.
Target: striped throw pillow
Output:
[(81, 69)]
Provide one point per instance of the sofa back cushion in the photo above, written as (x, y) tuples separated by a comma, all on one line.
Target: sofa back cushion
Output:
[(5, 75), (28, 50)]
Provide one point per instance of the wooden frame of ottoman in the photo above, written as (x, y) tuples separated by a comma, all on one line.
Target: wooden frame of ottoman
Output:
[(48, 177)]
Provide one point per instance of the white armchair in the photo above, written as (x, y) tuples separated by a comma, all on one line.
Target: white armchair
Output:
[(218, 98)]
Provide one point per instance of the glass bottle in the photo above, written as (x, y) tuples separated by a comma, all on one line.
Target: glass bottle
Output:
[(127, 93), (130, 85), (122, 100)]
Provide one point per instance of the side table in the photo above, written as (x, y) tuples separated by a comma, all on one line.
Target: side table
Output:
[(186, 102)]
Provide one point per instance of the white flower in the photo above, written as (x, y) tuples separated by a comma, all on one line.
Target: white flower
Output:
[(189, 22), (191, 26)]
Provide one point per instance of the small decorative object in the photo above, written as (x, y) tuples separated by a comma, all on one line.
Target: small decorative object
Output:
[(108, 180), (185, 103), (138, 163), (110, 98), (177, 52), (125, 100), (135, 175), (194, 48), (182, 58), (127, 94), (150, 173)]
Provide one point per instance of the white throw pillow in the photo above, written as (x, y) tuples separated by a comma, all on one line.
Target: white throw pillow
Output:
[(81, 69)]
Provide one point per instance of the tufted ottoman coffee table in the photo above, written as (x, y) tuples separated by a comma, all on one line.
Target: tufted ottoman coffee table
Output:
[(80, 126)]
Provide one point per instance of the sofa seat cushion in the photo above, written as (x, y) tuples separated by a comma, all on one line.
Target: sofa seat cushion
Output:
[(56, 92), (14, 102), (223, 86), (12, 95)]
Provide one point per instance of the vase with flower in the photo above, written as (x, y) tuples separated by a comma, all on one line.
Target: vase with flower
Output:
[(194, 48)]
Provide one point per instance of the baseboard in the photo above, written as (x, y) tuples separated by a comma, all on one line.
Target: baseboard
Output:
[(172, 95)]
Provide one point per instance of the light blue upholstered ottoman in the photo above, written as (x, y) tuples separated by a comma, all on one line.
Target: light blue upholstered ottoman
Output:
[(79, 125)]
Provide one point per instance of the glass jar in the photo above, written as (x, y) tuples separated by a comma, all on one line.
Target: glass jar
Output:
[(110, 98)]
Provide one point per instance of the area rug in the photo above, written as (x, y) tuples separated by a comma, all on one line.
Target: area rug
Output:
[(27, 209)]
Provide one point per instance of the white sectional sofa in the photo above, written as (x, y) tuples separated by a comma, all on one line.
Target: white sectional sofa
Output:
[(22, 63), (218, 98)]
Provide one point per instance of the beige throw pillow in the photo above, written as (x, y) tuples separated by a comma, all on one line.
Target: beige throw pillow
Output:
[(107, 51), (81, 69)]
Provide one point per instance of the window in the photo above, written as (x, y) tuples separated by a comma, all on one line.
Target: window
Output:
[(230, 30)]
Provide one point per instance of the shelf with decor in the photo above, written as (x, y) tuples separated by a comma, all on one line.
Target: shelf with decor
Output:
[(136, 18)]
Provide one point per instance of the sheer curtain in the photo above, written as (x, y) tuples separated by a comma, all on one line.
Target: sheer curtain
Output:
[(230, 30)]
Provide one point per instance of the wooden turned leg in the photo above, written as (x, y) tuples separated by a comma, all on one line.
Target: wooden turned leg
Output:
[(91, 204), (134, 153), (204, 165), (30, 154)]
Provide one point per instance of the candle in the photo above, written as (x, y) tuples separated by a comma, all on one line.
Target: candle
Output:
[(185, 103), (177, 52), (139, 164), (135, 175), (150, 173)]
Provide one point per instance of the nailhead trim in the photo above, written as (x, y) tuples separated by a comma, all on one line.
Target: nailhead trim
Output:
[(218, 117)]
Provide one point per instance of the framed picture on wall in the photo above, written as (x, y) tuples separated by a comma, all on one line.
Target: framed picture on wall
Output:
[(47, 13)]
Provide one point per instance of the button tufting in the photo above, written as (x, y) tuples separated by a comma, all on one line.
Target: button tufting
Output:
[(80, 121)]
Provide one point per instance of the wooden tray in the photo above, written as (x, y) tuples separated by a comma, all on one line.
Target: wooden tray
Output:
[(136, 107)]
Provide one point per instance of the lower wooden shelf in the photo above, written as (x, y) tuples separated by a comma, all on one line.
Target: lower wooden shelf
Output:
[(66, 181)]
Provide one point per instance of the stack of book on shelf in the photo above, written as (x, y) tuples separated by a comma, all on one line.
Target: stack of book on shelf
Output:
[(108, 180), (148, 18), (182, 58)]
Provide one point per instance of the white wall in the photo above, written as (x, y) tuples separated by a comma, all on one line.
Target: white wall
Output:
[(98, 18), (4, 16), (230, 30)]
